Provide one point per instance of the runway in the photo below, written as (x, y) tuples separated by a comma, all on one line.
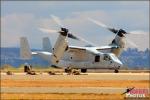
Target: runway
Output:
[(87, 76)]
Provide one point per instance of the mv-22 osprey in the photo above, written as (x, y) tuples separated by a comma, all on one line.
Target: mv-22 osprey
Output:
[(64, 56)]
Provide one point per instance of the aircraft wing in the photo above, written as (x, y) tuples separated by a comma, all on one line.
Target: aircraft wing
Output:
[(34, 53), (72, 48), (80, 53), (106, 47), (92, 49), (83, 49)]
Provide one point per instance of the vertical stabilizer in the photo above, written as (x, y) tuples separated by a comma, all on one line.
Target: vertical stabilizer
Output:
[(47, 44), (25, 52)]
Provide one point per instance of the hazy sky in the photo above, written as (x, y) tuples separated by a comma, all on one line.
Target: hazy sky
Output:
[(24, 18)]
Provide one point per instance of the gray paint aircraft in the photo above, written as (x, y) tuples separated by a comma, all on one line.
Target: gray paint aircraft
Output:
[(64, 56)]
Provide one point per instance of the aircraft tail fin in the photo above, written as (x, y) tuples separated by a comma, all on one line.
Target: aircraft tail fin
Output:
[(25, 52), (47, 44)]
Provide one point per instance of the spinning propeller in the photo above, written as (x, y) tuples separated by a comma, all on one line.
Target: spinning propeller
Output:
[(119, 32), (113, 29), (64, 31)]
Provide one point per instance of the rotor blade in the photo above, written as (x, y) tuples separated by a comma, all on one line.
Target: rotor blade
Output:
[(79, 38), (98, 23), (48, 30), (92, 44), (113, 30), (57, 20), (138, 32), (85, 41), (131, 43), (73, 36), (103, 25), (55, 31)]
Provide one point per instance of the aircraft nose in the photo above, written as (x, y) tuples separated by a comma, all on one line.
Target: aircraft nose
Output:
[(119, 64)]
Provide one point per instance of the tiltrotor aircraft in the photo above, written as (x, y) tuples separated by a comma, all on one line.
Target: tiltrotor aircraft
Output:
[(65, 56)]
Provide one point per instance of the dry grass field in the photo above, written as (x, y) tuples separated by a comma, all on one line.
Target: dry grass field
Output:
[(75, 83), (66, 81), (61, 96)]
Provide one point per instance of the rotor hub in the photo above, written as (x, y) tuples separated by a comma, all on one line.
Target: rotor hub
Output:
[(121, 33), (64, 31)]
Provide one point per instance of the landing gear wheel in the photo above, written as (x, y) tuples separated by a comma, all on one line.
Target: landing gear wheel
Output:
[(68, 70), (83, 70), (116, 71)]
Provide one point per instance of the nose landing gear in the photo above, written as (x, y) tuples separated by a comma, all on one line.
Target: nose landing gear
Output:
[(116, 71)]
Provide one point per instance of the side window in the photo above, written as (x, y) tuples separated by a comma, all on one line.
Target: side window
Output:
[(97, 58), (106, 57)]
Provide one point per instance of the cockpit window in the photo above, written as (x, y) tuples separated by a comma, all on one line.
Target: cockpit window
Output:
[(113, 57), (107, 57)]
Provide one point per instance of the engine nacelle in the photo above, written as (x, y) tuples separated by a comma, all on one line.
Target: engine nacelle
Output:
[(59, 48)]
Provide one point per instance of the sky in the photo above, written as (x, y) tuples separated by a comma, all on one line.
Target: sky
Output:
[(24, 18)]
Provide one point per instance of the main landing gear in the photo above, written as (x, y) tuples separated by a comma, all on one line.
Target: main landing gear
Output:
[(83, 70), (70, 70)]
